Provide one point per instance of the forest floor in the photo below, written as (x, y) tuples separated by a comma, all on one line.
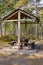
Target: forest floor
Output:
[(19, 59), (32, 59)]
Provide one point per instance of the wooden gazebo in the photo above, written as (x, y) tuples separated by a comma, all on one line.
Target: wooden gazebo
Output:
[(18, 16)]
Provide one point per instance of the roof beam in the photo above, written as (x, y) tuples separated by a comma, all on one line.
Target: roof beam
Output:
[(27, 14), (11, 15)]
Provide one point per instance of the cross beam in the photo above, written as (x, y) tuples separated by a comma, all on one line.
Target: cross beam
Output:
[(31, 20)]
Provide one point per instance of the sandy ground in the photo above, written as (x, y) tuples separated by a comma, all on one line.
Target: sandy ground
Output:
[(17, 59), (21, 60), (13, 59)]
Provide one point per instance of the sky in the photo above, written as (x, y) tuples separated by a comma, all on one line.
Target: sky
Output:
[(41, 1)]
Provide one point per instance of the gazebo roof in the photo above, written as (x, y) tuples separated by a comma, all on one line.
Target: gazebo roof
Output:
[(14, 15)]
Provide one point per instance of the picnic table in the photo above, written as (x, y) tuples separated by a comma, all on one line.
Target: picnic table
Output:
[(27, 44)]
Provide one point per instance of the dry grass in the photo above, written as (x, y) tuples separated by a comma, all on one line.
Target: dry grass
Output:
[(3, 43)]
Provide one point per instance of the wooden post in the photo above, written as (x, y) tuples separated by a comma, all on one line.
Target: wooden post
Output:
[(19, 29)]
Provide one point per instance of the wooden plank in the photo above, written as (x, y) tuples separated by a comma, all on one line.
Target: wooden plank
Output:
[(10, 20), (31, 20)]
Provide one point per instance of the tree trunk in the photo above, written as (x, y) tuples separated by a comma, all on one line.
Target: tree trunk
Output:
[(25, 28), (0, 28), (37, 14), (14, 27), (5, 29)]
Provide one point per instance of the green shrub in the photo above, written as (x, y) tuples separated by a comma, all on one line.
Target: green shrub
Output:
[(14, 37), (31, 37), (22, 36), (8, 38)]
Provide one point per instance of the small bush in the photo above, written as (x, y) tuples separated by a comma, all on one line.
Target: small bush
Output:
[(31, 37), (8, 38), (22, 36), (14, 37)]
